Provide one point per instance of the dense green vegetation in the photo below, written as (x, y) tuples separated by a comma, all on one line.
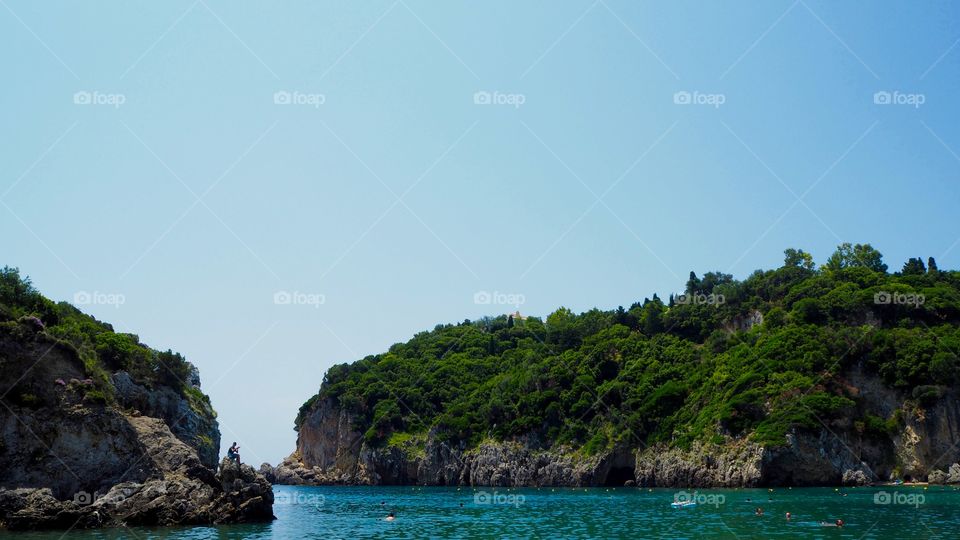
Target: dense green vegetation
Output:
[(688, 369), (102, 350)]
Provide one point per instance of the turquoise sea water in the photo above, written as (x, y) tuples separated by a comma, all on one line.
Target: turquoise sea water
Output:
[(422, 512)]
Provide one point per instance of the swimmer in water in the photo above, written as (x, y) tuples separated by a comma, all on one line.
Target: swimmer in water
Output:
[(390, 517), (788, 516), (759, 511)]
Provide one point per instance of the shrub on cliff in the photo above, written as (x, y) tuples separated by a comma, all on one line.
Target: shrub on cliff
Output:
[(102, 350)]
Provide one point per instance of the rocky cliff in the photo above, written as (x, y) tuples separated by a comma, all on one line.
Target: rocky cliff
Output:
[(83, 448), (193, 421), (331, 450)]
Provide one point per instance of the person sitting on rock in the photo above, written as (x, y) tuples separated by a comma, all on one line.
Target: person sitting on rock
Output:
[(234, 453)]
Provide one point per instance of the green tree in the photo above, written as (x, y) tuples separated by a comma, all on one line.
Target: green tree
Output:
[(860, 255), (693, 283), (652, 318), (561, 328), (798, 258), (913, 267), (711, 280)]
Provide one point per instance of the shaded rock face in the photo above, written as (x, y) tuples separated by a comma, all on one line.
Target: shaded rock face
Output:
[(327, 439), (743, 323), (65, 462), (823, 458), (198, 429), (60, 442), (176, 488), (68, 453), (330, 450)]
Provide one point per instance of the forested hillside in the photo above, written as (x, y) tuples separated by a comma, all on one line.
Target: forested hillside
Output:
[(725, 360)]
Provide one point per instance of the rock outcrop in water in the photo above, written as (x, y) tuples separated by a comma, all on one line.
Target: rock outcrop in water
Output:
[(79, 452), (177, 489)]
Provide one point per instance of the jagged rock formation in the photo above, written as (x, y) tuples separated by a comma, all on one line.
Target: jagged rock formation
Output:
[(195, 427), (78, 452), (952, 476), (178, 489)]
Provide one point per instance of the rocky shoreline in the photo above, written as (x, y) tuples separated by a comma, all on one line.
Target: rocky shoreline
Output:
[(507, 465), (75, 453), (331, 451), (187, 493)]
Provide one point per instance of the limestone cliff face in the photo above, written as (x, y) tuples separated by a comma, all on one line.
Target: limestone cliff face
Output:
[(192, 421), (71, 455), (330, 450), (327, 439)]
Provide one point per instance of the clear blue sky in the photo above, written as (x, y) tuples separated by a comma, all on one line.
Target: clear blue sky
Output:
[(783, 145)]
